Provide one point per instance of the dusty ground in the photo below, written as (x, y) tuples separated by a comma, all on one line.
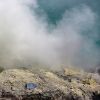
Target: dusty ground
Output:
[(67, 84)]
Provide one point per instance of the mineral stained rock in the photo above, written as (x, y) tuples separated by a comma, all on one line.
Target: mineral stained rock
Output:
[(68, 84)]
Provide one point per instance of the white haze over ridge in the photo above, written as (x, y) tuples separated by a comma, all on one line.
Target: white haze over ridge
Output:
[(25, 37)]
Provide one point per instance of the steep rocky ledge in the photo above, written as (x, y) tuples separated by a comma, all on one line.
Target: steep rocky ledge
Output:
[(68, 84)]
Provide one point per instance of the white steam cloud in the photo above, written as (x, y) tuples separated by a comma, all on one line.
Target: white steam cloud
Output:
[(26, 38)]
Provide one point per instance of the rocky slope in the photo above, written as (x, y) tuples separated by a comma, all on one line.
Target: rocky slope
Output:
[(68, 84)]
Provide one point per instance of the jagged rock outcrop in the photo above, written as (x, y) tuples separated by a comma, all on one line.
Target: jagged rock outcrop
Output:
[(68, 84)]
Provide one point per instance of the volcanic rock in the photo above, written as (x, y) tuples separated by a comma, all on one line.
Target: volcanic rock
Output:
[(68, 84)]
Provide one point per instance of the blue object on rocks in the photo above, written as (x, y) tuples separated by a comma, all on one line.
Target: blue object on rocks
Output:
[(30, 86)]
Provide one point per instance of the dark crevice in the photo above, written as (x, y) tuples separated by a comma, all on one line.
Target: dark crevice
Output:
[(96, 96)]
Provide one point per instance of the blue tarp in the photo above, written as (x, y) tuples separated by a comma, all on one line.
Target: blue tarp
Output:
[(30, 86)]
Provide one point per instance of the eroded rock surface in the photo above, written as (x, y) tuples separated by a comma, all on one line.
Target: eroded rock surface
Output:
[(68, 84)]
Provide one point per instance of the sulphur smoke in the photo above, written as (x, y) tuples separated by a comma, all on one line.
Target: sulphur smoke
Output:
[(26, 36)]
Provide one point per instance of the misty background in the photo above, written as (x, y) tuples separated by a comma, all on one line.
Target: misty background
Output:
[(49, 32)]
